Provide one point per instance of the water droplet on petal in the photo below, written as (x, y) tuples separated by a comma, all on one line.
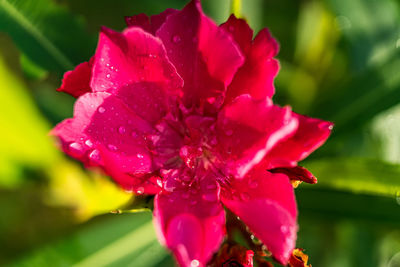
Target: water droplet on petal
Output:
[(229, 132), (253, 184), (112, 147), (89, 143), (108, 76), (140, 190), (245, 196), (169, 186), (122, 130), (214, 141), (139, 156), (194, 263), (210, 197), (95, 157), (211, 186), (176, 39), (101, 109), (76, 149), (284, 229)]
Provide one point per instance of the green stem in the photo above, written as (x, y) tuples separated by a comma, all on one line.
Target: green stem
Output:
[(236, 6)]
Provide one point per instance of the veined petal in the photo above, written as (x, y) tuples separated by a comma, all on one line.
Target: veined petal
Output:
[(271, 197), (247, 129), (310, 135), (190, 221), (133, 65), (204, 54), (105, 132)]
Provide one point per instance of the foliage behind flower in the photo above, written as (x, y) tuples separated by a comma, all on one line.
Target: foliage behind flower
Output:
[(177, 107)]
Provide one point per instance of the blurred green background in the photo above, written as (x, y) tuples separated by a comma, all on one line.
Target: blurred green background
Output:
[(340, 61)]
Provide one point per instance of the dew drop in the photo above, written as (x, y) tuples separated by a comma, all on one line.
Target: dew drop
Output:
[(284, 229), (112, 147), (89, 143), (102, 110), (122, 130), (94, 156), (194, 263), (244, 196), (169, 186), (229, 132), (176, 39), (139, 156), (210, 197), (76, 149), (159, 182), (214, 141), (253, 184), (108, 76), (140, 191), (211, 186)]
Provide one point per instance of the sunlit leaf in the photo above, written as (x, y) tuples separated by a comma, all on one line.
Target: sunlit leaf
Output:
[(357, 175), (120, 240)]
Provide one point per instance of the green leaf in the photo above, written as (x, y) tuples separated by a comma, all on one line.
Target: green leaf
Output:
[(318, 202), (367, 176), (373, 85), (46, 33), (120, 240)]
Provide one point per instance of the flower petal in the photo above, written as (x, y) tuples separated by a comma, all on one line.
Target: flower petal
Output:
[(240, 31), (149, 24), (77, 82), (190, 221), (247, 129), (204, 54), (133, 65), (297, 173), (105, 132), (271, 197), (256, 76), (310, 135), (140, 20)]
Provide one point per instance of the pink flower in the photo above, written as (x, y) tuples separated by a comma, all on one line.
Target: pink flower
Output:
[(181, 108)]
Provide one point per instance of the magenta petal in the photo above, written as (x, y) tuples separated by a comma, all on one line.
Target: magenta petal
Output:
[(256, 76), (133, 65), (149, 24), (77, 82), (297, 173), (240, 31), (247, 129), (310, 135), (139, 20), (105, 132), (190, 221), (271, 197), (204, 54)]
